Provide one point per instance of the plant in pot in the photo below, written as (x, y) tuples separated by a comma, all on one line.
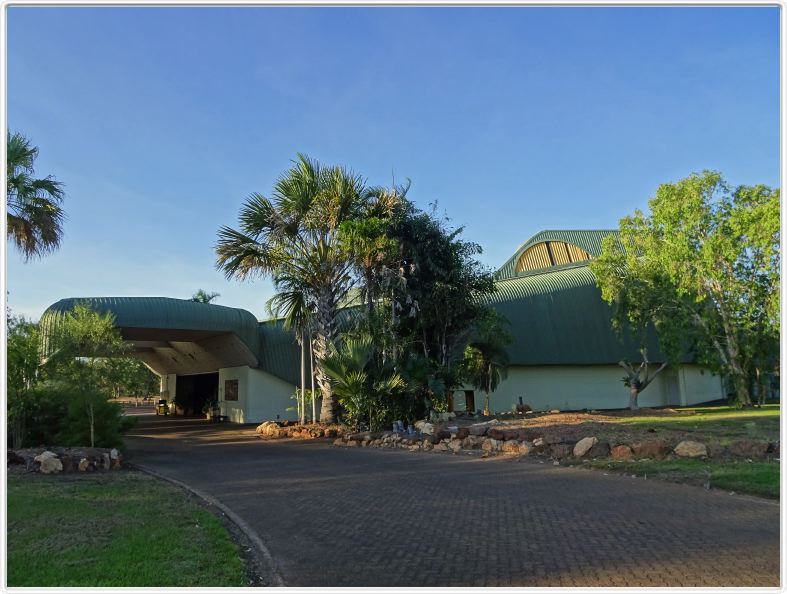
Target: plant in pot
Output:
[(211, 409)]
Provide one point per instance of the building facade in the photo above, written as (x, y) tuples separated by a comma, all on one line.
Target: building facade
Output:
[(564, 353)]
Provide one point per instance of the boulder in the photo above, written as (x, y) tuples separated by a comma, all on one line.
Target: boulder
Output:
[(511, 447), (455, 445), (621, 452), (538, 442), (650, 448), (600, 450), (338, 442), (424, 427), (440, 447), (491, 445), (462, 432), (773, 448), (67, 462), (748, 448), (427, 445), (353, 444), (584, 445), (49, 462), (331, 433), (512, 435), (495, 433), (472, 442), (525, 448), (691, 449), (84, 464), (524, 408)]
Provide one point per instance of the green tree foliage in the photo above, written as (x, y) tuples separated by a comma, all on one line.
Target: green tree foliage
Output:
[(202, 296), (80, 342), (703, 267), (126, 376), (34, 213), (23, 362)]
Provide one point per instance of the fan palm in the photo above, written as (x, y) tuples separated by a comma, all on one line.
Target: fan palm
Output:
[(294, 235), (34, 217)]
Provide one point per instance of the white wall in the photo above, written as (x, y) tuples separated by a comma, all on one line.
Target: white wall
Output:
[(168, 383), (594, 387), (261, 396)]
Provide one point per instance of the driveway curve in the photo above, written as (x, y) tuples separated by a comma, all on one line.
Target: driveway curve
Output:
[(369, 517)]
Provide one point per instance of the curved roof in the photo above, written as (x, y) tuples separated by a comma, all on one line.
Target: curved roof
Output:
[(161, 313), (589, 241), (557, 317)]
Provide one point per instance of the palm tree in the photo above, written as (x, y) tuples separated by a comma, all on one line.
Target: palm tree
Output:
[(202, 297), (35, 217), (295, 234), (485, 359)]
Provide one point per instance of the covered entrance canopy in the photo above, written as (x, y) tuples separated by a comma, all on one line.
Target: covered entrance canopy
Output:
[(172, 336)]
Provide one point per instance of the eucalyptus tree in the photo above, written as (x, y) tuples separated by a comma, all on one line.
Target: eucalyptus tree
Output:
[(34, 213), (703, 267), (295, 233)]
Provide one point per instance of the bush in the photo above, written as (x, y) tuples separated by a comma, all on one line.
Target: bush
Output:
[(57, 413)]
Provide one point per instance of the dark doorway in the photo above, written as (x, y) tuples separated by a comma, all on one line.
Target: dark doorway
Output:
[(192, 392), (469, 401)]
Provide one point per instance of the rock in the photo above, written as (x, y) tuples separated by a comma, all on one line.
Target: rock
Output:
[(748, 448), (621, 452), (84, 463), (414, 448), (440, 447), (524, 408), (511, 447), (538, 442), (651, 448), (330, 433), (353, 444), (561, 450), (525, 448), (512, 435), (462, 432), (424, 427), (478, 430), (455, 445), (773, 448), (495, 433), (691, 449), (67, 462), (338, 442), (14, 458), (600, 450), (554, 411), (427, 445), (491, 445), (107, 462), (584, 445), (49, 462), (264, 428), (471, 442)]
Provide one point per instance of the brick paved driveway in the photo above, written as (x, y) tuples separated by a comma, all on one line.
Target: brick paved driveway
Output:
[(362, 517)]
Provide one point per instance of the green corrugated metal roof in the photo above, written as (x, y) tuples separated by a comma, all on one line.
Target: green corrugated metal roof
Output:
[(590, 241), (161, 313), (558, 317), (280, 354)]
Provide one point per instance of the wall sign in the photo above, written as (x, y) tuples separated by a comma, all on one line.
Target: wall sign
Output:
[(231, 389)]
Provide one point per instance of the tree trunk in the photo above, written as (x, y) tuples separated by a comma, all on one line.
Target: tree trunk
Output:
[(302, 399), (325, 321), (92, 431), (633, 394), (311, 377)]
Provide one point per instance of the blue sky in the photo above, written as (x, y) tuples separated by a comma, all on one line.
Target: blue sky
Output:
[(160, 121)]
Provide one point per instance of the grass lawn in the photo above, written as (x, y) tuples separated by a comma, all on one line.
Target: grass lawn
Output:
[(717, 425), (122, 528), (755, 478)]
